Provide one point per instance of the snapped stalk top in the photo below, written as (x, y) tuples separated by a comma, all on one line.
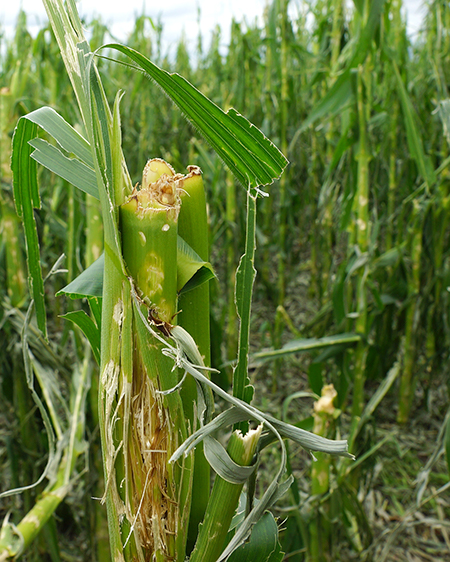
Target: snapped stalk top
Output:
[(149, 236)]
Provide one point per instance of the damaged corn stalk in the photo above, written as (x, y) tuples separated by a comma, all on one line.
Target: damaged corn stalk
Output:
[(144, 425)]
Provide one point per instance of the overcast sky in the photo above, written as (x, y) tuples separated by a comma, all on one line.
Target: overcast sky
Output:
[(176, 15)]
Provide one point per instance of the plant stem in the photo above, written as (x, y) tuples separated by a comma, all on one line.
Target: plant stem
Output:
[(224, 500), (194, 317)]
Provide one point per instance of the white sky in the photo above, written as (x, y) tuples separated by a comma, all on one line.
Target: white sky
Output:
[(176, 15)]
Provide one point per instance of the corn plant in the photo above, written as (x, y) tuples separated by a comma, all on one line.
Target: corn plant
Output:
[(155, 399)]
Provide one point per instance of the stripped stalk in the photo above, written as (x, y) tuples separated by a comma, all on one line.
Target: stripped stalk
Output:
[(155, 496)]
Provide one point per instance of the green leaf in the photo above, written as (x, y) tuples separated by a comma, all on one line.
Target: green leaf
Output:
[(203, 274), (412, 133), (302, 345), (88, 284), (338, 96), (389, 258), (89, 329), (223, 464), (262, 545), (95, 304), (378, 395), (192, 271), (26, 192), (70, 169), (315, 377), (253, 159), (26, 196), (65, 135)]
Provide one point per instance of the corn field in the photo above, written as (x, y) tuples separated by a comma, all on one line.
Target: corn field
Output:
[(224, 284)]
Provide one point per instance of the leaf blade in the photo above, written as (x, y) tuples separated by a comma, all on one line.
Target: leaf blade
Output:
[(66, 136), (252, 157), (26, 197), (70, 169), (89, 329)]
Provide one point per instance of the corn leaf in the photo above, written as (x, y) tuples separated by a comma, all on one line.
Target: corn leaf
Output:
[(262, 545), (70, 169), (89, 329), (26, 196), (95, 304), (302, 345), (223, 464), (88, 284), (26, 192), (252, 157), (65, 135), (337, 97), (412, 133), (192, 271), (378, 395)]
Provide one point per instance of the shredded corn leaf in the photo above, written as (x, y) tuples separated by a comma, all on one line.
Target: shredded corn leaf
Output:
[(251, 156)]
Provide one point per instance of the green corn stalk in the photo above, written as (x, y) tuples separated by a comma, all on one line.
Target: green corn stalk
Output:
[(407, 382), (390, 233), (361, 203), (325, 414), (224, 499), (325, 220), (194, 314)]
